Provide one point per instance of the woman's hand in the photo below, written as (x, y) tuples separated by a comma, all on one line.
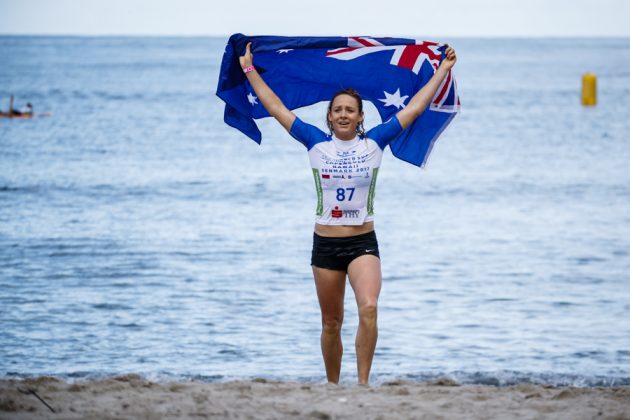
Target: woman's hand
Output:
[(247, 59), (419, 102), (449, 59), (267, 97)]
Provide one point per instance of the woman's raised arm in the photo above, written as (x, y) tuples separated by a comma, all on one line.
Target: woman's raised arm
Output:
[(268, 97), (423, 97)]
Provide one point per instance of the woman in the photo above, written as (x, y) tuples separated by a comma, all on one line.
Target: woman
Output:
[(345, 165)]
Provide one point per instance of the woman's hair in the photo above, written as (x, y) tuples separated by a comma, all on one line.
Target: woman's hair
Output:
[(355, 95)]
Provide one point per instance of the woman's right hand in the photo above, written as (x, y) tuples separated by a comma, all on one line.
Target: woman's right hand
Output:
[(247, 59), (267, 97)]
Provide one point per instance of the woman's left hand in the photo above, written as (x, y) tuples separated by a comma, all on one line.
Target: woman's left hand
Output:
[(449, 58)]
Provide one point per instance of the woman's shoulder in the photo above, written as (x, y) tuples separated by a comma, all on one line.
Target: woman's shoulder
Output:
[(308, 134), (384, 133)]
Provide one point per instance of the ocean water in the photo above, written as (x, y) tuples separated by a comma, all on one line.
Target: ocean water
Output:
[(139, 233)]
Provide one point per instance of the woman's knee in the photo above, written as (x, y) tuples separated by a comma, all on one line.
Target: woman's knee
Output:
[(331, 325), (368, 312)]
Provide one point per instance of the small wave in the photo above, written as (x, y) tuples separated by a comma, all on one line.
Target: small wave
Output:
[(589, 260), (112, 307), (19, 189), (130, 325), (501, 300), (469, 326), (588, 354), (563, 304), (22, 300), (122, 285), (5, 188), (510, 378), (497, 379)]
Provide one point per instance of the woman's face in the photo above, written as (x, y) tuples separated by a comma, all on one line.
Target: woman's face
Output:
[(345, 116)]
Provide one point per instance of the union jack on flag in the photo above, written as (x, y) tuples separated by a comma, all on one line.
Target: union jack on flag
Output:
[(306, 70), (408, 56)]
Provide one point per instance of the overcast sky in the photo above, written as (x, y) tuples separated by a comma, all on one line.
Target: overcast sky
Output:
[(318, 17)]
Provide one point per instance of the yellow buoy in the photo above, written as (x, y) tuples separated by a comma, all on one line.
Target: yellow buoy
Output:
[(589, 89)]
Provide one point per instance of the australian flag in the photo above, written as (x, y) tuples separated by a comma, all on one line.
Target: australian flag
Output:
[(306, 70)]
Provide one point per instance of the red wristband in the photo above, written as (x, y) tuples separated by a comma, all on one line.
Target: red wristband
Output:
[(248, 69)]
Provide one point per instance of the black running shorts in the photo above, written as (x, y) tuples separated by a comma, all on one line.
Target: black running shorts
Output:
[(338, 253)]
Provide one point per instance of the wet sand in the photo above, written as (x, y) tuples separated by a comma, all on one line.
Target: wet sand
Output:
[(131, 397)]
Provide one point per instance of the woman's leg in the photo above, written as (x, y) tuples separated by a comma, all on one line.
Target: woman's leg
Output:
[(365, 278), (331, 286)]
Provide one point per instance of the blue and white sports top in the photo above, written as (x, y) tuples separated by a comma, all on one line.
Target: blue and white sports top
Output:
[(345, 171)]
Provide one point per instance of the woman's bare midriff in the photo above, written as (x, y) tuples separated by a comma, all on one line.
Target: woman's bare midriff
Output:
[(336, 231)]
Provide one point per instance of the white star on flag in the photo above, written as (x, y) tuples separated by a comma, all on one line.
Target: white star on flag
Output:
[(394, 99), (251, 98), (284, 51)]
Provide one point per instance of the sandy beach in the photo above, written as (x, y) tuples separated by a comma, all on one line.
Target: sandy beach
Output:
[(131, 397)]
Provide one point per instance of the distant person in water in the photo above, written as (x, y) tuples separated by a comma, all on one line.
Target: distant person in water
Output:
[(25, 110)]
